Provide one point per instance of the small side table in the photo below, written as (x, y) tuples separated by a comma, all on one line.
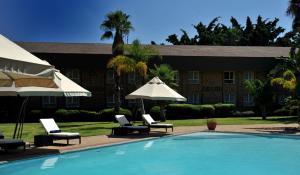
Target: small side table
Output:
[(43, 140)]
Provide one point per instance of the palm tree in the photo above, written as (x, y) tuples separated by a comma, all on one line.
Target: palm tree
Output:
[(262, 94), (141, 55), (116, 26), (165, 73), (294, 11)]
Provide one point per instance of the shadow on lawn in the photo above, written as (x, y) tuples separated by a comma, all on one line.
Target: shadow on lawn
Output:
[(80, 125), (285, 120)]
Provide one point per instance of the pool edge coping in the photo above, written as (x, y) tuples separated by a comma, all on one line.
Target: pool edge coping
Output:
[(136, 141)]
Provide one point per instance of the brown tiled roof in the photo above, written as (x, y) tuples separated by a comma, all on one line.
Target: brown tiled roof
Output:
[(164, 50)]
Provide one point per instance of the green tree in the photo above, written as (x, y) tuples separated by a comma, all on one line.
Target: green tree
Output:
[(286, 80), (116, 25), (262, 93), (165, 73), (294, 11), (263, 33), (141, 55)]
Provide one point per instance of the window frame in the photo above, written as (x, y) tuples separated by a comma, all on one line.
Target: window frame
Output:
[(248, 100), (177, 77), (229, 80), (194, 98), (131, 77), (110, 100), (110, 76), (194, 79), (248, 75), (70, 102), (229, 98), (73, 74), (49, 102)]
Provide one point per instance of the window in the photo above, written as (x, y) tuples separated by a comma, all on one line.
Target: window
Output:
[(110, 76), (132, 103), (193, 77), (131, 78), (229, 77), (176, 77), (110, 100), (248, 100), (229, 98), (74, 75), (72, 102), (194, 98), (249, 75), (49, 102)]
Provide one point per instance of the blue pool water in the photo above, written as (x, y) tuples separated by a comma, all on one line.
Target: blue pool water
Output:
[(198, 153)]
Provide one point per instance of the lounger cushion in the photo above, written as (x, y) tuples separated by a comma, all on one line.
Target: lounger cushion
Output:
[(55, 131), (149, 120), (64, 134), (135, 127), (122, 120), (162, 125)]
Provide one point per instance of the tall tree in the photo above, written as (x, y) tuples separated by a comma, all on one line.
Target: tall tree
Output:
[(165, 73), (262, 94), (141, 55), (116, 25), (294, 11), (263, 33)]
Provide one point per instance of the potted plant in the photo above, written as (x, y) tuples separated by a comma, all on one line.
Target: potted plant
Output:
[(211, 124)]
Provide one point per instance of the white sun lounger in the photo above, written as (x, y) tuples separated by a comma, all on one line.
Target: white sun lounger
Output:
[(154, 124), (126, 127), (53, 130)]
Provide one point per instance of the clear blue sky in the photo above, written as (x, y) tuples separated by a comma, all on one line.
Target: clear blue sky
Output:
[(79, 20)]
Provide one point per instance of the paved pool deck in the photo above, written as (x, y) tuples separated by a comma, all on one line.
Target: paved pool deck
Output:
[(105, 140)]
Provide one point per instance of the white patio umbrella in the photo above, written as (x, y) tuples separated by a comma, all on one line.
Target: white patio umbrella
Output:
[(23, 74), (155, 89), (14, 58)]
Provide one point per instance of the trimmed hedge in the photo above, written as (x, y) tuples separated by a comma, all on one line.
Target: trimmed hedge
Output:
[(224, 110), (185, 111), (190, 111), (155, 112), (63, 115), (109, 114)]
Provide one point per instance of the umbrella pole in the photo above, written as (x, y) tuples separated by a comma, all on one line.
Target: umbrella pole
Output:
[(23, 118), (20, 119), (143, 108)]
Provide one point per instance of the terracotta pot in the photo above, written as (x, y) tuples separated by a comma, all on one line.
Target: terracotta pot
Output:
[(211, 125)]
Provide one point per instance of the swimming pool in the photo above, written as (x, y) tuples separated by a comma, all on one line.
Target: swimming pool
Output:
[(198, 153)]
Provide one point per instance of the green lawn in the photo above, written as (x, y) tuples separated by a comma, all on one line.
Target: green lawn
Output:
[(100, 128)]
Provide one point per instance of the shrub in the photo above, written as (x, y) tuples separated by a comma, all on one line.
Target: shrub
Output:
[(109, 114), (155, 112), (64, 115), (294, 110), (224, 110), (34, 116), (282, 112), (244, 114), (206, 111), (184, 111)]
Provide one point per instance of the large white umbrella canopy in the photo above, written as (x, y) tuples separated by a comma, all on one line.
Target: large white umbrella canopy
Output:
[(23, 74), (66, 87), (156, 89), (16, 59)]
